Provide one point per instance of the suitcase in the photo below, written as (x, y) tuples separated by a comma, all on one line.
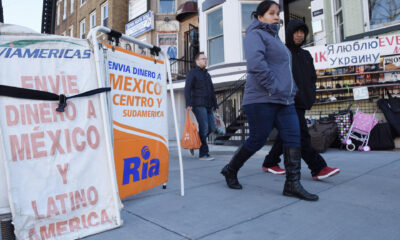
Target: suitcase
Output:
[(323, 134), (381, 137), (391, 109)]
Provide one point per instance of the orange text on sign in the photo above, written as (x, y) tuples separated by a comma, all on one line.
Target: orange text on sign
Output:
[(134, 84)]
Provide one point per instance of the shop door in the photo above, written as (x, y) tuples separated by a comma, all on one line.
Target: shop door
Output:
[(301, 10), (191, 46)]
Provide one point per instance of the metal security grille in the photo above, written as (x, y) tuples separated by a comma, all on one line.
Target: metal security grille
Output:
[(324, 106), (294, 16)]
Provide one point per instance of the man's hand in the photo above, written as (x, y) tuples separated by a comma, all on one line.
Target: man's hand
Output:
[(189, 108)]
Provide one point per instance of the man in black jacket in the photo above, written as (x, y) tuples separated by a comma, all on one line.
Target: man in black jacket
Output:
[(304, 75), (200, 97)]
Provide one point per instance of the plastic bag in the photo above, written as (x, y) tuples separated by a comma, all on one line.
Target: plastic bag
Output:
[(190, 138), (219, 124)]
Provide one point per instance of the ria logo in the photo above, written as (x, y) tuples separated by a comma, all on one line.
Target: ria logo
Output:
[(150, 168)]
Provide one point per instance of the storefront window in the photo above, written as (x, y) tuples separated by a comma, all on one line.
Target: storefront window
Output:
[(58, 14), (383, 12), (338, 4), (82, 29), (247, 9), (215, 37), (93, 19), (65, 10), (72, 6), (104, 14), (167, 6), (339, 32)]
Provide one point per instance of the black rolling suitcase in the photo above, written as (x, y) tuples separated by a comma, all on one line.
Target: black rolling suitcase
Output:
[(323, 133), (391, 109)]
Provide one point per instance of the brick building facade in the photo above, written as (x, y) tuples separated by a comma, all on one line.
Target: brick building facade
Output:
[(174, 20), (76, 17)]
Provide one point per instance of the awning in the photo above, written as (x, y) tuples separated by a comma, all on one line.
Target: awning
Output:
[(186, 10)]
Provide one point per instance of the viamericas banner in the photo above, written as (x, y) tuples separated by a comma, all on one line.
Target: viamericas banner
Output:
[(58, 165), (139, 113)]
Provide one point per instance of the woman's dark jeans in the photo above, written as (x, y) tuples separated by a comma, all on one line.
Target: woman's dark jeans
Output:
[(206, 121), (263, 116)]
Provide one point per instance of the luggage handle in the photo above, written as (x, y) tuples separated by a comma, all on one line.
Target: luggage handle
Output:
[(346, 111), (388, 93), (349, 107), (323, 120), (189, 116)]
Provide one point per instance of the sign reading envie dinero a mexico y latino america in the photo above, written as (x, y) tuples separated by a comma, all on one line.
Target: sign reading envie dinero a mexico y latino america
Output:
[(60, 179)]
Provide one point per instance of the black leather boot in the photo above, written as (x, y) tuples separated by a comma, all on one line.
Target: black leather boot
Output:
[(293, 187), (231, 177), (231, 169)]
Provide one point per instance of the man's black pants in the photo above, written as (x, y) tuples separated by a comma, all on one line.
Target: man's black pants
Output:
[(313, 159)]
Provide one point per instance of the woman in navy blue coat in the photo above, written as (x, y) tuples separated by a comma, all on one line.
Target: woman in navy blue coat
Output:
[(269, 99)]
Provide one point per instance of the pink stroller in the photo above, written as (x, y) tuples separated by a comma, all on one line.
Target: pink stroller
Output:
[(360, 129)]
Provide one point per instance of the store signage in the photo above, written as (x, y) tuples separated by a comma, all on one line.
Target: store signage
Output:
[(318, 12), (169, 44), (58, 166), (139, 115), (317, 26), (389, 45), (360, 93), (392, 62), (353, 53), (317, 21), (170, 26), (389, 64), (137, 8), (140, 25), (346, 54)]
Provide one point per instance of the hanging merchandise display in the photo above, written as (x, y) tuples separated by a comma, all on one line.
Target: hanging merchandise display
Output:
[(355, 72)]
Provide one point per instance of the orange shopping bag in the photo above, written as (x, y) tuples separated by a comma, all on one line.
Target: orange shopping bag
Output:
[(190, 138)]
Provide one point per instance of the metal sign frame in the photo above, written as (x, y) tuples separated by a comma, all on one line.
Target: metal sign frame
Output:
[(92, 37)]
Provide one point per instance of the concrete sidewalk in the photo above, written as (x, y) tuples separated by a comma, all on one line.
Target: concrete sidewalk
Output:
[(362, 202)]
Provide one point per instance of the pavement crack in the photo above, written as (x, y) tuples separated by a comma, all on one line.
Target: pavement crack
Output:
[(249, 219), (152, 222)]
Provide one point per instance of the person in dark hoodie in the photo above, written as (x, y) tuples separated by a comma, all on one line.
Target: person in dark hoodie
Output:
[(305, 77), (269, 100)]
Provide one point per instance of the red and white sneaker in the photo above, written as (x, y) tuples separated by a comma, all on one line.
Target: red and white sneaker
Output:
[(326, 172), (274, 170)]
